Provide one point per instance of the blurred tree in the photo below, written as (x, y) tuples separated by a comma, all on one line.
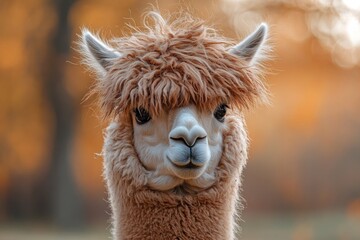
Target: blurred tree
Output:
[(65, 204)]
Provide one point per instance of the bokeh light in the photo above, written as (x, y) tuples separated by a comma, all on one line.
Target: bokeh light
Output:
[(335, 23)]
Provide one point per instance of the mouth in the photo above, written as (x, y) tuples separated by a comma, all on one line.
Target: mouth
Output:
[(190, 163), (189, 166), (187, 171)]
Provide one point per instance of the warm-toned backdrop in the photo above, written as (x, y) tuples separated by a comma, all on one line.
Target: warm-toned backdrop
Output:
[(303, 176)]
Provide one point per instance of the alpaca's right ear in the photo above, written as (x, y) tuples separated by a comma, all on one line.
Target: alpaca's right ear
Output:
[(97, 54)]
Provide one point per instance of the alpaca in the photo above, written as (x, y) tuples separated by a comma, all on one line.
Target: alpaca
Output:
[(176, 144)]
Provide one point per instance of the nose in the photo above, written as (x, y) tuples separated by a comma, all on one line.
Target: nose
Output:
[(187, 130), (188, 137)]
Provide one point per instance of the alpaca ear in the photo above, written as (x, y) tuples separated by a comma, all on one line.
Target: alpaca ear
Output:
[(97, 54), (252, 44)]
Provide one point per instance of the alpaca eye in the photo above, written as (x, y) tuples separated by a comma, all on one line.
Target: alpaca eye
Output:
[(141, 115), (220, 112)]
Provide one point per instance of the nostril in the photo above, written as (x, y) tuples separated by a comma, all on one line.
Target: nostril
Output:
[(184, 141), (199, 138), (180, 139)]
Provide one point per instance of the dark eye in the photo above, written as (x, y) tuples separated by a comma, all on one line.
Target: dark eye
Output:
[(141, 115), (220, 112)]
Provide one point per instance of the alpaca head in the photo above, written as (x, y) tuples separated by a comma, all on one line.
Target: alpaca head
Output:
[(176, 84)]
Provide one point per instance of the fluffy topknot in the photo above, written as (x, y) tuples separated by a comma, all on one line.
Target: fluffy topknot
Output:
[(175, 63)]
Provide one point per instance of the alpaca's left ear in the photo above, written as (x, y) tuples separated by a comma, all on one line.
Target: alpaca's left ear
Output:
[(97, 54), (252, 44)]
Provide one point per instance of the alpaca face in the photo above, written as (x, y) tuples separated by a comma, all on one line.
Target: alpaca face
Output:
[(173, 71), (181, 147)]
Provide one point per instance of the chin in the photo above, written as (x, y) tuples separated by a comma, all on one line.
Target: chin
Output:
[(183, 181)]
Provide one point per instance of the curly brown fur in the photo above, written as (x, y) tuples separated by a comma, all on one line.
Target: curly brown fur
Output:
[(173, 64)]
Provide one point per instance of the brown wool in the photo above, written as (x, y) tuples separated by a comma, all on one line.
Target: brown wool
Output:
[(171, 64)]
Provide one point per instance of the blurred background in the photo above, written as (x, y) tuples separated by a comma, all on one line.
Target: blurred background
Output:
[(303, 177)]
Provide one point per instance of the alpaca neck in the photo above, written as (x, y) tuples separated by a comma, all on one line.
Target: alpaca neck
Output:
[(141, 213), (153, 215)]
